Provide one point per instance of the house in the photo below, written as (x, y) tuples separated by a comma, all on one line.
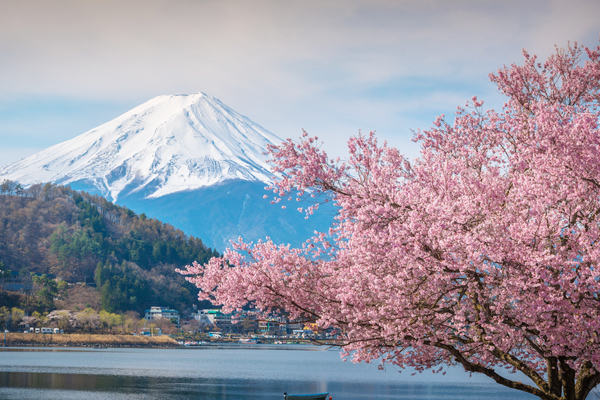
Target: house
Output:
[(162, 312), (214, 317)]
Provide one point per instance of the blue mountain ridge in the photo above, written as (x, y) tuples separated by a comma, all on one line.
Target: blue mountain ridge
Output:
[(223, 212)]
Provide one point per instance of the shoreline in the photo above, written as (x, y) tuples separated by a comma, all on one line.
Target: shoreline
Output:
[(85, 340), (131, 341)]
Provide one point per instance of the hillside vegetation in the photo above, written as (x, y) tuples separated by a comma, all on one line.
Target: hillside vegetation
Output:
[(78, 237)]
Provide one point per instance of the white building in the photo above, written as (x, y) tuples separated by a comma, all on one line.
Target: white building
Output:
[(214, 317), (162, 312)]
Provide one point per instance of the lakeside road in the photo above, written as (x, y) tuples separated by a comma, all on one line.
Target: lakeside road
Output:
[(86, 340)]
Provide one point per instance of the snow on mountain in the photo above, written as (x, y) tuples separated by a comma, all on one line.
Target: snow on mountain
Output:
[(187, 160), (169, 144)]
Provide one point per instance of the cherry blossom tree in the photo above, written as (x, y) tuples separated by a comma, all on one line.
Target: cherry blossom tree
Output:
[(482, 252)]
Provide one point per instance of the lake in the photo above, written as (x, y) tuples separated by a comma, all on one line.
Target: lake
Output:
[(223, 372)]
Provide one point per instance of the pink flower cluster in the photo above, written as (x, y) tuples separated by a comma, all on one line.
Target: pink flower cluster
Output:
[(483, 252)]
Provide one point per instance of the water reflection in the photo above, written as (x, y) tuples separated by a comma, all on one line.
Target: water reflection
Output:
[(218, 374), (147, 387), (89, 387), (73, 381)]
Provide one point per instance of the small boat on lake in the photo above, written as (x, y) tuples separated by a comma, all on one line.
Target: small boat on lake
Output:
[(315, 396)]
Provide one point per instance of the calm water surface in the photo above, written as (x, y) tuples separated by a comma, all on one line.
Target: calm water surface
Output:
[(224, 372)]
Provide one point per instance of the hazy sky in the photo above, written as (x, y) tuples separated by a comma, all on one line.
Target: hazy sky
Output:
[(329, 67)]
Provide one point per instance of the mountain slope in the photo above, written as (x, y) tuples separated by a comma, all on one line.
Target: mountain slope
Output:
[(187, 160), (166, 145), (231, 209), (75, 236)]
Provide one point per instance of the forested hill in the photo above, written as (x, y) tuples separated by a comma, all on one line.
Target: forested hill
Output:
[(50, 229)]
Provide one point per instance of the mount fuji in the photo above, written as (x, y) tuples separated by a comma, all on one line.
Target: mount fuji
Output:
[(188, 160)]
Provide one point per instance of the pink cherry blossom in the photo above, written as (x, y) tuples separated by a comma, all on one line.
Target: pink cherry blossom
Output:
[(482, 252)]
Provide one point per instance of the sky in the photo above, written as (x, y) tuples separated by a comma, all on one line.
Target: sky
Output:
[(330, 67)]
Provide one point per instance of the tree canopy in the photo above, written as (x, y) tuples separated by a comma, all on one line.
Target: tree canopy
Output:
[(54, 231), (482, 252)]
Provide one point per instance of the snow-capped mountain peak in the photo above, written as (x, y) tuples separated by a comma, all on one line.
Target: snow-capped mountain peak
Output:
[(168, 144)]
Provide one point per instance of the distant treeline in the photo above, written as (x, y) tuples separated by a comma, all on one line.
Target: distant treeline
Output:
[(75, 236)]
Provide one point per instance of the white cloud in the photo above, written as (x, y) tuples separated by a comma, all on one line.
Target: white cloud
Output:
[(287, 65), (113, 48)]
